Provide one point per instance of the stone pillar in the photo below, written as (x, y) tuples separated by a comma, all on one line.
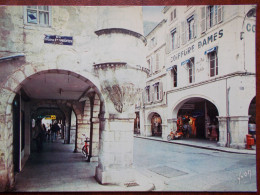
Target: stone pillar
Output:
[(148, 130), (238, 131), (83, 128), (95, 140), (172, 125), (222, 121), (116, 151), (142, 127)]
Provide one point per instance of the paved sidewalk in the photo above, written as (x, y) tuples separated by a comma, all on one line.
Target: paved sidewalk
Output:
[(202, 143), (58, 169)]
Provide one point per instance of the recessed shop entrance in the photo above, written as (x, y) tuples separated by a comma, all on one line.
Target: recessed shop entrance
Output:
[(198, 117), (156, 124)]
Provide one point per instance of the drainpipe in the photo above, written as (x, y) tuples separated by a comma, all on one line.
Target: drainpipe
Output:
[(227, 114)]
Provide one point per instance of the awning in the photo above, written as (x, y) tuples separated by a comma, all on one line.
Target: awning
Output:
[(174, 30), (210, 50), (190, 18), (170, 68), (185, 62), (156, 84)]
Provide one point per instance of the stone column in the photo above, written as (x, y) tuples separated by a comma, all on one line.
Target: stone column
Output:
[(238, 131), (116, 151), (172, 125), (95, 140), (222, 121), (83, 128)]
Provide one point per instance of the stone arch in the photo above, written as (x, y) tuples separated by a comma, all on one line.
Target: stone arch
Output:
[(252, 111), (8, 91), (185, 99), (155, 127)]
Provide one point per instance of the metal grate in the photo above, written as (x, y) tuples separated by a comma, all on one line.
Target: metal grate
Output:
[(167, 171)]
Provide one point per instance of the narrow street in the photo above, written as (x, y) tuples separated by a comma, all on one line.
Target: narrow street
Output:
[(169, 167), (173, 167)]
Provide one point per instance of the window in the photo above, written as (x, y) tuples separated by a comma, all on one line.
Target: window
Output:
[(210, 16), (174, 76), (188, 29), (191, 27), (149, 66), (157, 91), (173, 15), (147, 94), (191, 70), (153, 42), (38, 15), (213, 62), (173, 38)]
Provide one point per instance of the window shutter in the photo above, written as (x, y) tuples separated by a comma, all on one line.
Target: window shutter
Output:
[(178, 36), (168, 43), (220, 13), (195, 26), (183, 32), (203, 19), (157, 62), (151, 71), (143, 96), (152, 93), (160, 90)]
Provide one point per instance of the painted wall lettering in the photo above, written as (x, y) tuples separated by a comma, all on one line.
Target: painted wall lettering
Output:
[(183, 53), (250, 27), (211, 38)]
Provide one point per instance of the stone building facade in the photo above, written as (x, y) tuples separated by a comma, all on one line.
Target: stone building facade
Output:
[(59, 60), (207, 71)]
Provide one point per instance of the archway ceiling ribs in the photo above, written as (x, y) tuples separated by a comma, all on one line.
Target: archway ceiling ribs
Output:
[(57, 84)]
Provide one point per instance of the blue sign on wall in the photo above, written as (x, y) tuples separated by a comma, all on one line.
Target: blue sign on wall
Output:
[(60, 40)]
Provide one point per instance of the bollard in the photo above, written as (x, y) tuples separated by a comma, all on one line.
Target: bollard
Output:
[(249, 142)]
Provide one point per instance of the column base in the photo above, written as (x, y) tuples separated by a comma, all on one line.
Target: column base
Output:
[(4, 181), (94, 159), (222, 144), (115, 177), (238, 145)]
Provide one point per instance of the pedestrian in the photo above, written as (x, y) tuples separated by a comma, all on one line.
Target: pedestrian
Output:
[(45, 132), (38, 135), (54, 129)]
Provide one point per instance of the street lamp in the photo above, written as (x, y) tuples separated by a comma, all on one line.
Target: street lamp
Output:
[(249, 14)]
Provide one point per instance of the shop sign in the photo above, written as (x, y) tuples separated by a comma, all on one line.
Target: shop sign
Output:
[(205, 41), (188, 107), (250, 27), (59, 40), (50, 117)]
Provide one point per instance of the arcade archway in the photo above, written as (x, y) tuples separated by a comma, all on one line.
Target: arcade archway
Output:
[(200, 117), (59, 93), (155, 121)]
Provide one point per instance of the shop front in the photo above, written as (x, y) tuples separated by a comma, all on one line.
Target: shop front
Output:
[(156, 125), (198, 119)]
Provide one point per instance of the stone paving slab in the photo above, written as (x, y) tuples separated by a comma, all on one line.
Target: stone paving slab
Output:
[(58, 169)]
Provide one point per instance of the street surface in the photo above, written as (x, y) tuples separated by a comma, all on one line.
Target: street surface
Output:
[(163, 167), (173, 167)]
